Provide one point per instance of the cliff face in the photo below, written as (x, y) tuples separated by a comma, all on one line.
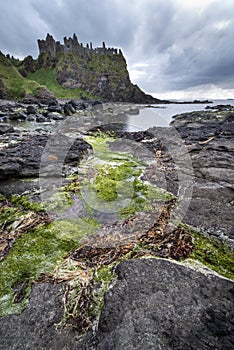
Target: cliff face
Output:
[(99, 72), (104, 76)]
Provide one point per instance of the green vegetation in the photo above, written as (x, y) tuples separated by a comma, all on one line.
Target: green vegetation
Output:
[(90, 72), (213, 253), (36, 253), (97, 76), (107, 63), (47, 77), (15, 85), (23, 203), (39, 246), (116, 184)]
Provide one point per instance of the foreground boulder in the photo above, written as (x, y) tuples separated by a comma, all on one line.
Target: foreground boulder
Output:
[(157, 304), (154, 304)]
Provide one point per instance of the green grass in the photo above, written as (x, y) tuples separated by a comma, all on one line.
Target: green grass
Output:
[(47, 77), (15, 84)]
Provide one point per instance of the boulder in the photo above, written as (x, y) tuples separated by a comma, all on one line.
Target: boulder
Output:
[(68, 109), (17, 116), (55, 108), (154, 304), (55, 116), (31, 117), (161, 305), (40, 118), (6, 129), (31, 110), (22, 158)]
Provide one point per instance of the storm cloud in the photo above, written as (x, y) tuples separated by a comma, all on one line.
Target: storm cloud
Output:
[(173, 45)]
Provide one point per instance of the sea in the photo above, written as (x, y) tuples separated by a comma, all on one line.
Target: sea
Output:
[(162, 115)]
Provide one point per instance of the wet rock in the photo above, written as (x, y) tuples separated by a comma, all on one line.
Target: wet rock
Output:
[(55, 116), (6, 129), (133, 111), (31, 110), (78, 105), (221, 108), (17, 116), (35, 328), (40, 118), (55, 108), (31, 117), (209, 139), (44, 97), (21, 157), (68, 109), (96, 103), (154, 304)]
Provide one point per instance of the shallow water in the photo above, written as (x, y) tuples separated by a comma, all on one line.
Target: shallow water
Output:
[(161, 115)]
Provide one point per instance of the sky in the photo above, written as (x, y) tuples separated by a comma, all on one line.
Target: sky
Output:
[(180, 49)]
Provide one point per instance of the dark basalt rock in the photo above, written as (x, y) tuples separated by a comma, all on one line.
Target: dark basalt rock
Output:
[(78, 105), (35, 328), (210, 145), (54, 116), (68, 109), (55, 108), (17, 116), (23, 158), (154, 304), (6, 129), (40, 118), (31, 110)]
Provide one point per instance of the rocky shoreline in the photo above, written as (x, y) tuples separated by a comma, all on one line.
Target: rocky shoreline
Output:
[(151, 303)]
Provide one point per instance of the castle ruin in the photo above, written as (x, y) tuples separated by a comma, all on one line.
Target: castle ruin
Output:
[(49, 45)]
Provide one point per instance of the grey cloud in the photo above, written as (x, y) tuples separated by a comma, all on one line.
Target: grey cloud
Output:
[(171, 46)]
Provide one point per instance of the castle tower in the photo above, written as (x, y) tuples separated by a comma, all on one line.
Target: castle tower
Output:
[(48, 45)]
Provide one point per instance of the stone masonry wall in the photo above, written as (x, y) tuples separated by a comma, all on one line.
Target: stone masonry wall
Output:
[(49, 45)]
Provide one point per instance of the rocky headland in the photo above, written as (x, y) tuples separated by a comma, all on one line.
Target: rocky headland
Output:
[(159, 275), (70, 70)]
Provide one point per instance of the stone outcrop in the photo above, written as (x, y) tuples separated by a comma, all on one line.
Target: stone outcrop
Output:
[(209, 138), (22, 157), (35, 327), (157, 304), (154, 304), (101, 71)]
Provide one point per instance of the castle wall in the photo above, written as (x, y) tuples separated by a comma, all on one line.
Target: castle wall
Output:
[(49, 45)]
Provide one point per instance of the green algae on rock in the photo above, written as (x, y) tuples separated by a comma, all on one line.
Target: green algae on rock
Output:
[(113, 180), (37, 252), (213, 253)]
